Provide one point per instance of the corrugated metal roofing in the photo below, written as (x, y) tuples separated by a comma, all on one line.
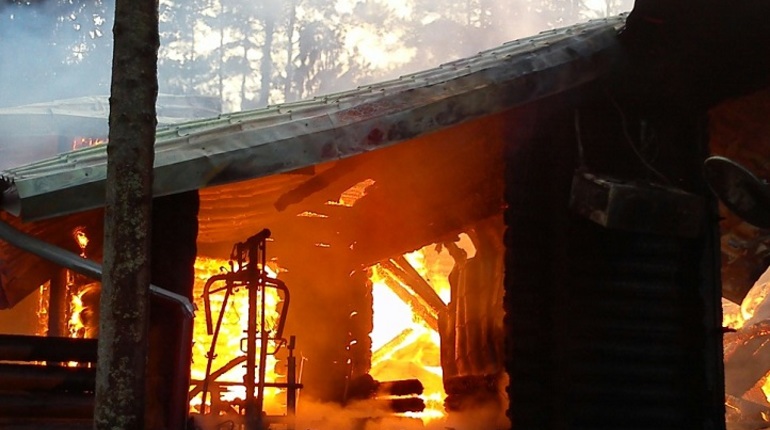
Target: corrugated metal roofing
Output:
[(87, 116), (282, 138)]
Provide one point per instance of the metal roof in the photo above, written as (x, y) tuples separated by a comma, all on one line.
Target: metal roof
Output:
[(282, 138), (87, 116)]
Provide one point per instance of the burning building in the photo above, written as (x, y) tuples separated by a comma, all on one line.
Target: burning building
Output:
[(522, 231)]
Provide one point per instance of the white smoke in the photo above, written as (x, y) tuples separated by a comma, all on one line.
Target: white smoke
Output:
[(51, 50), (58, 49), (365, 416)]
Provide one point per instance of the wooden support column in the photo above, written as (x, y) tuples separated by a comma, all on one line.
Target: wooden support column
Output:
[(57, 304), (361, 322), (175, 230), (325, 294)]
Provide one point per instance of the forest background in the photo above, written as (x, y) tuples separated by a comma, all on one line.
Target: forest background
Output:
[(251, 53)]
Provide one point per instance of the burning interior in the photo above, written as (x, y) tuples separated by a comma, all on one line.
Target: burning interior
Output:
[(381, 262)]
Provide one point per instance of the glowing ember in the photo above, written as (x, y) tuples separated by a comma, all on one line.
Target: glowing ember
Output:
[(43, 304), (234, 325), (308, 214), (350, 196), (85, 142), (731, 315), (82, 239), (84, 297)]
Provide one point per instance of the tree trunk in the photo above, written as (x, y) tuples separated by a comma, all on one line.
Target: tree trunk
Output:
[(221, 85), (287, 96), (124, 317), (266, 69), (244, 72)]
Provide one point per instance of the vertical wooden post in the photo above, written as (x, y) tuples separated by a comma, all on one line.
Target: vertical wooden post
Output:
[(124, 317), (57, 304), (174, 232)]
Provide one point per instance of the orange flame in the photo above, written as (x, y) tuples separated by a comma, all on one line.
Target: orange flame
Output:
[(732, 316), (82, 311), (350, 196), (79, 233), (404, 345), (234, 325), (83, 322), (85, 142), (43, 304), (754, 299)]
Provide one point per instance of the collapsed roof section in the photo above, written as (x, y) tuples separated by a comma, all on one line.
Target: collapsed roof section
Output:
[(283, 138)]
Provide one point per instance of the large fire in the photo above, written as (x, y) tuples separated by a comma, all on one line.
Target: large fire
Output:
[(404, 347), (234, 324), (81, 295), (405, 340)]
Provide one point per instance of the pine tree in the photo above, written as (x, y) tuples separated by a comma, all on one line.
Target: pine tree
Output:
[(124, 302)]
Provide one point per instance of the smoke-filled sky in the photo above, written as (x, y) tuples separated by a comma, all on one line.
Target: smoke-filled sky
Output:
[(249, 54)]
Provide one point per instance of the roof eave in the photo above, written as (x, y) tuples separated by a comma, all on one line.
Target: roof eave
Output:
[(250, 145)]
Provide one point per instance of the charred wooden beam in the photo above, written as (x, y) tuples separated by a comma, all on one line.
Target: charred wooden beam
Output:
[(320, 187), (36, 423), (382, 353), (403, 404), (57, 304), (469, 391), (46, 405), (56, 349), (403, 387), (366, 387), (361, 321), (405, 271), (426, 312), (25, 377)]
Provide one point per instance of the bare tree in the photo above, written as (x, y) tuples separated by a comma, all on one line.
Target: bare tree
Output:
[(124, 317)]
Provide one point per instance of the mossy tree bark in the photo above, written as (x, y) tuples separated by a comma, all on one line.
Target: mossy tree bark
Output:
[(120, 380)]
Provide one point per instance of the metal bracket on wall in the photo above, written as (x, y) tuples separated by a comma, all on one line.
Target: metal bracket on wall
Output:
[(636, 206)]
